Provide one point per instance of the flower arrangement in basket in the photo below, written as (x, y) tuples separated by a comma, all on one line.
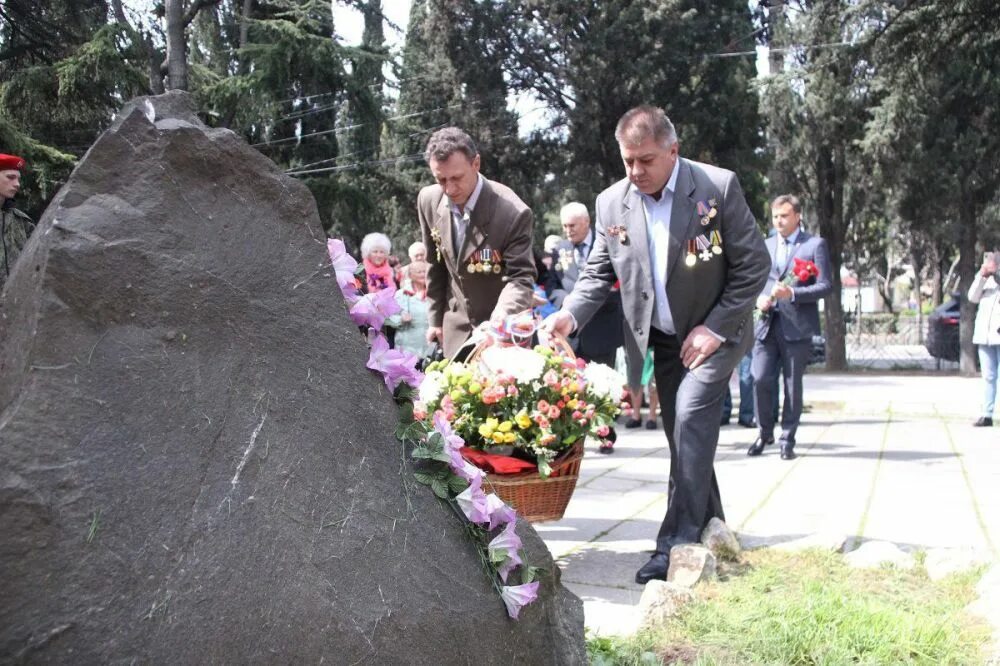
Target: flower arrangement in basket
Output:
[(532, 403), (435, 446)]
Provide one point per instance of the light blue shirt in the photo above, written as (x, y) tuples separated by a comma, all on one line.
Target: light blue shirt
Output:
[(460, 218), (658, 233)]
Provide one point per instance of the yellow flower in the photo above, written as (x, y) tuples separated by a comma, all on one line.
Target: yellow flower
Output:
[(509, 438), (456, 394), (574, 387), (506, 426), (486, 429), (572, 403), (523, 421), (475, 388), (498, 437)]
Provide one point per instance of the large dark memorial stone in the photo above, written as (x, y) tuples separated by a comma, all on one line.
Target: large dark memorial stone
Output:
[(195, 465)]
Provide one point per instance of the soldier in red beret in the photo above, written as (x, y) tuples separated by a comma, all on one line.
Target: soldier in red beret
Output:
[(15, 226)]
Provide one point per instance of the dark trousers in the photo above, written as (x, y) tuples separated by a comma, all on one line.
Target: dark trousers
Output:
[(690, 410), (791, 356)]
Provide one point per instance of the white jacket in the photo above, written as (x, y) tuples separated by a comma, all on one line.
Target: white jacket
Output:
[(986, 292)]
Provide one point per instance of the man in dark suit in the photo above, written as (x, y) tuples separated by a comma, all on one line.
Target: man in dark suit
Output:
[(789, 319), (682, 240), (478, 238), (600, 339)]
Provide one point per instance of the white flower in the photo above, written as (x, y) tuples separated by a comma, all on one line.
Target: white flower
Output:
[(603, 381), (432, 386), (524, 365)]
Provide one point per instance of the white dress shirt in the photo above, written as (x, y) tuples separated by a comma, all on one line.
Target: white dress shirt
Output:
[(460, 218), (658, 232)]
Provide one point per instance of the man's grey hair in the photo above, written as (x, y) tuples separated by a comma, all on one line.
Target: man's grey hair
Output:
[(572, 210), (783, 199), (446, 141), (375, 241), (645, 121)]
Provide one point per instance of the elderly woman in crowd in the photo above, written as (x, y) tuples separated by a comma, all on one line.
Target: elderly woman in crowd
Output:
[(417, 252), (411, 322), (375, 249)]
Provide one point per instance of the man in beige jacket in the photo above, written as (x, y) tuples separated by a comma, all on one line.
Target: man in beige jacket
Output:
[(478, 236)]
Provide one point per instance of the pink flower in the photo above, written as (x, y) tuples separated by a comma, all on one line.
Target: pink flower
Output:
[(472, 502), (372, 309), (603, 431), (420, 410), (553, 412), (543, 406), (508, 543), (395, 366), (343, 264), (512, 391), (577, 415), (551, 379), (516, 597), (499, 512)]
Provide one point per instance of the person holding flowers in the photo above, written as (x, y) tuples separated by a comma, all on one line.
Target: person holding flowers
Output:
[(799, 277)]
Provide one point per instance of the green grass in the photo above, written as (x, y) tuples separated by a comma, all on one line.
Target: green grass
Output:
[(810, 608)]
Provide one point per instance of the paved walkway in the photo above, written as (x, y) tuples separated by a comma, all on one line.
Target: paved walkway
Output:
[(889, 457)]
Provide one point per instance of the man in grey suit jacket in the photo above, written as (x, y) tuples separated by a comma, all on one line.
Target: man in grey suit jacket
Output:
[(789, 319), (683, 242), (478, 238)]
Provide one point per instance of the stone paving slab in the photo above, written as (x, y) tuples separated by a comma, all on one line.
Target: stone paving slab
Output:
[(887, 457)]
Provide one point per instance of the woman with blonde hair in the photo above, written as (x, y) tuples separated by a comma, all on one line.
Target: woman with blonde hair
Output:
[(411, 321)]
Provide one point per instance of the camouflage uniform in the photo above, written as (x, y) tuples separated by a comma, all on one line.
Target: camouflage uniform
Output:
[(15, 228)]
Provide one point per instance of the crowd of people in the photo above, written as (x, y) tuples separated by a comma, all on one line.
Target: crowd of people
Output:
[(673, 270)]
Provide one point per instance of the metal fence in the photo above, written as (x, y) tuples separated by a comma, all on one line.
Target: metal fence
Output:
[(891, 342)]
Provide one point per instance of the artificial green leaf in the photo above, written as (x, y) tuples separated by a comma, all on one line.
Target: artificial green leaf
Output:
[(440, 488), (457, 484), (423, 477), (544, 468), (569, 439)]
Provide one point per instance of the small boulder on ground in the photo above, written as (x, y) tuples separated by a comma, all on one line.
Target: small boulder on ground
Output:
[(721, 540), (942, 562), (690, 564), (661, 601), (874, 554), (833, 542)]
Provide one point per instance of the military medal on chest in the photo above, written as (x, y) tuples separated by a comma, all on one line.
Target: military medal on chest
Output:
[(703, 247), (485, 261), (707, 210)]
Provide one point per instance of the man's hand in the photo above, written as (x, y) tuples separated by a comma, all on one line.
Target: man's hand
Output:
[(537, 300), (764, 303), (406, 317), (782, 292), (988, 268), (560, 322), (434, 334), (698, 346)]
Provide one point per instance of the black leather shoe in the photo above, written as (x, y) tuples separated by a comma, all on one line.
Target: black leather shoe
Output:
[(651, 424), (758, 445), (655, 569), (748, 424), (788, 452), (983, 422), (633, 423)]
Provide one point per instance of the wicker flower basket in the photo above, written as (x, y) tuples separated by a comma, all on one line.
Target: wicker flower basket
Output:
[(537, 499)]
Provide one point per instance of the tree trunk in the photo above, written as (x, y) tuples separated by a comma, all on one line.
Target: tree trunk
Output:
[(918, 298), (967, 237), (177, 75), (830, 216)]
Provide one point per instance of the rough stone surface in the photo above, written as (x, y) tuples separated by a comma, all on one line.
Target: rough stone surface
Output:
[(941, 562), (690, 564), (831, 541), (195, 465), (874, 554), (661, 601), (721, 540)]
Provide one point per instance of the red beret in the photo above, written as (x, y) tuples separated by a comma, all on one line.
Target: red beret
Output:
[(11, 162)]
